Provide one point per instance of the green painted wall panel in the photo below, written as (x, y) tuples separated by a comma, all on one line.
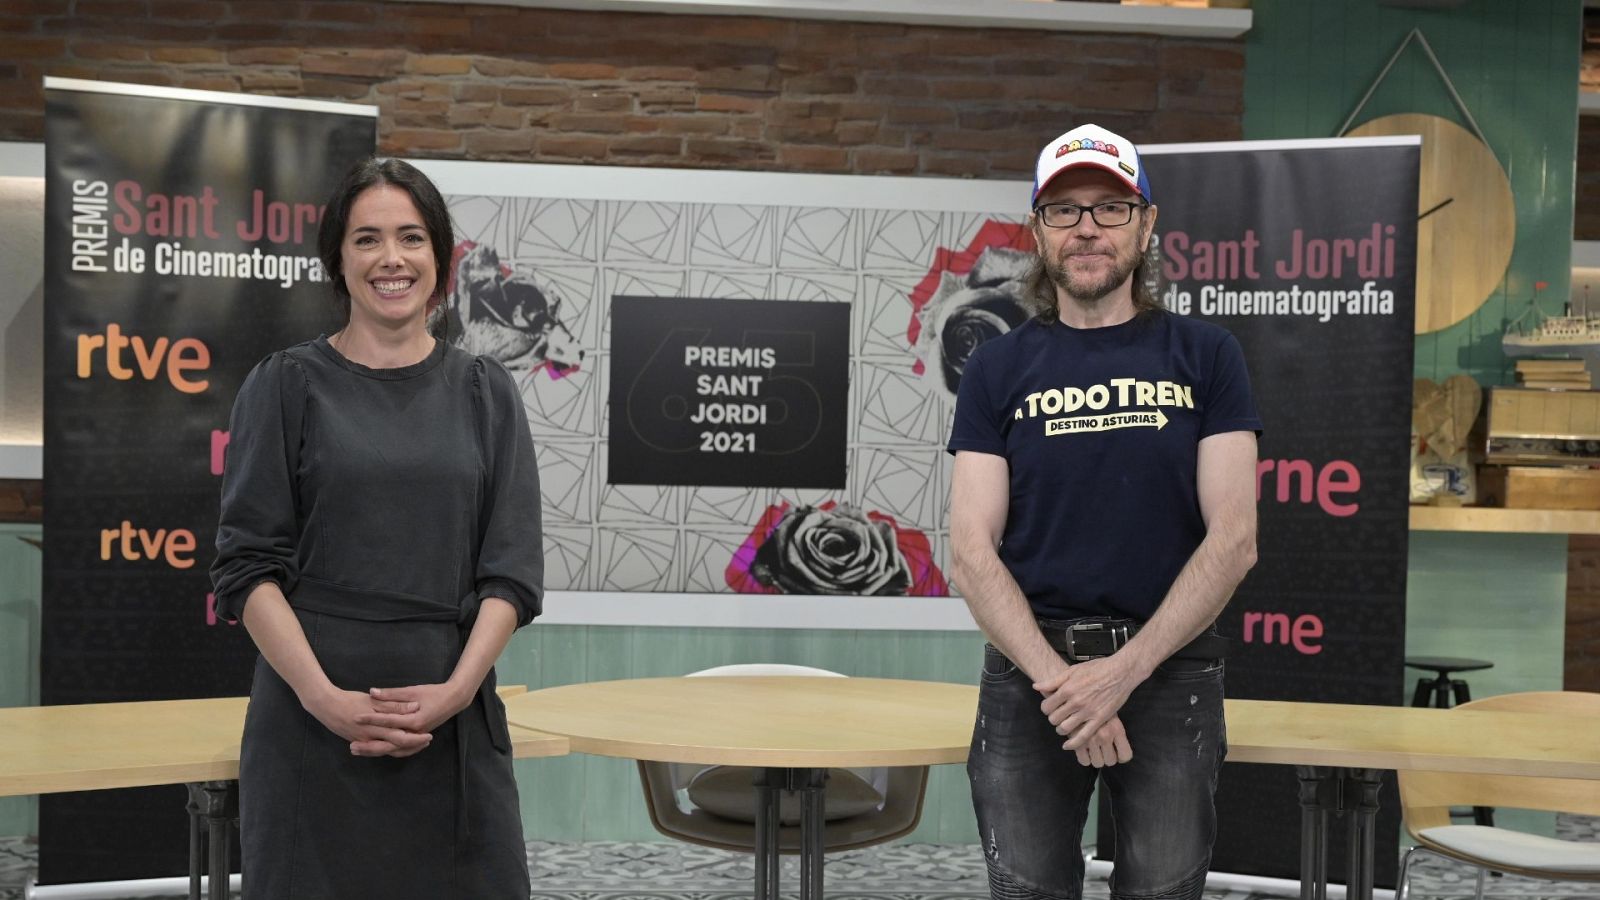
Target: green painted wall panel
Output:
[(20, 576), (1515, 66), (1497, 597)]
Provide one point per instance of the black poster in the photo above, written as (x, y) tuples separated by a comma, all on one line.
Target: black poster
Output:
[(739, 393), (180, 249), (1307, 254)]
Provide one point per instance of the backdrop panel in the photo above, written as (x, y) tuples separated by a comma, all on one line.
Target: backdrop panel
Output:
[(180, 248), (1307, 253)]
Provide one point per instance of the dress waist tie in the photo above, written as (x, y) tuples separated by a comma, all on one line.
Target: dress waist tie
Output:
[(499, 738)]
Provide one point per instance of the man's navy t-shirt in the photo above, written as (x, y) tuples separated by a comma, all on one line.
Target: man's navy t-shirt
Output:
[(1101, 429)]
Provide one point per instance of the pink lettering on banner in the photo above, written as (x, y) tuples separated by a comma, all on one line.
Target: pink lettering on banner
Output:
[(162, 215), (211, 612), (278, 221), (1278, 628), (219, 450), (1334, 480)]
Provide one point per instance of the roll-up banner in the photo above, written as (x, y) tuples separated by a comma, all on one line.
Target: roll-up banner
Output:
[(1307, 253), (180, 249)]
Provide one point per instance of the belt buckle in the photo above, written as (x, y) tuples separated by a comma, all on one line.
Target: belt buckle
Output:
[(1072, 644), (1119, 637)]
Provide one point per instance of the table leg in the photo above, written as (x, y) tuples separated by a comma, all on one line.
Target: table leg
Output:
[(812, 785), (1318, 794), (1361, 800), (768, 782), (195, 865), (217, 802)]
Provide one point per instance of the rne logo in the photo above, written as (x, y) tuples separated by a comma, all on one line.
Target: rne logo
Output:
[(1276, 628)]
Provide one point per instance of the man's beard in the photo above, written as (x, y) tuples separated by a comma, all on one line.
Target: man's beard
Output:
[(1088, 289)]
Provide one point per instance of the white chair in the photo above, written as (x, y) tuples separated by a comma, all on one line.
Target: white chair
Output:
[(1426, 798), (715, 806)]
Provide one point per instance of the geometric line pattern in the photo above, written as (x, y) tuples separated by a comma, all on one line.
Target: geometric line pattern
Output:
[(706, 557), (561, 405), (896, 408), (567, 552), (818, 237), (901, 483), (638, 559), (827, 286), (732, 506), (885, 314), (581, 253), (564, 478), (733, 236), (641, 504), (899, 240), (645, 232)]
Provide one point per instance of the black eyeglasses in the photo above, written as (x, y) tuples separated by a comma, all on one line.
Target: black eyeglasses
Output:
[(1112, 214)]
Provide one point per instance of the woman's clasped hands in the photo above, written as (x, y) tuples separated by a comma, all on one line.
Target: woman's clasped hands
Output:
[(397, 722)]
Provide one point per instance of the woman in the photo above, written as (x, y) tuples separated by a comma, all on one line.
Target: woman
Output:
[(380, 540)]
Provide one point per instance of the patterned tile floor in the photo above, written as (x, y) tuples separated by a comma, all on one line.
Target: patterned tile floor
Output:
[(676, 871)]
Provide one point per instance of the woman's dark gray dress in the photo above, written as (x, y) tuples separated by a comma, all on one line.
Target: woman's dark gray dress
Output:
[(387, 504)]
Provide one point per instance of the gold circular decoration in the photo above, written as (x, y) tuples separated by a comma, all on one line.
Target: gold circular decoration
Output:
[(1466, 218)]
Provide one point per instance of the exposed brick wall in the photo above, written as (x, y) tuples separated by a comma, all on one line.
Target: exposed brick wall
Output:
[(1586, 205), (1583, 613), (495, 82), (21, 500), (1583, 553)]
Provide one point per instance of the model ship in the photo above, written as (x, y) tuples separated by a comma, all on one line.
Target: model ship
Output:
[(1536, 333)]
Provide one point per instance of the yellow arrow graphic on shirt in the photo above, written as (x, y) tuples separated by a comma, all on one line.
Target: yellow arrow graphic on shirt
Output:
[(1106, 422)]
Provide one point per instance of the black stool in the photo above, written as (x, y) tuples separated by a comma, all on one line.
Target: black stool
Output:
[(1442, 686)]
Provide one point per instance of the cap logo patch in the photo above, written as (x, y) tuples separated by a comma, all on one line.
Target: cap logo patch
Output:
[(1102, 146)]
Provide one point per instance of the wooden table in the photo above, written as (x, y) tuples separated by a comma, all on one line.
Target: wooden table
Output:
[(795, 728), (1408, 737), (94, 746), (1340, 752), (804, 725)]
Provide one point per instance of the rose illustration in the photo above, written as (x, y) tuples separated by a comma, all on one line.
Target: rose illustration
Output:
[(969, 298), (834, 549)]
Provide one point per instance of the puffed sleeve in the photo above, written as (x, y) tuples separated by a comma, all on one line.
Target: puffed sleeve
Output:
[(511, 537), (258, 533)]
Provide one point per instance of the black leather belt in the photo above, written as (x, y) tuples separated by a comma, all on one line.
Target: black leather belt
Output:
[(1093, 640)]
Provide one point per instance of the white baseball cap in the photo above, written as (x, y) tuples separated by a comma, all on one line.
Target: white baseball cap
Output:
[(1091, 145)]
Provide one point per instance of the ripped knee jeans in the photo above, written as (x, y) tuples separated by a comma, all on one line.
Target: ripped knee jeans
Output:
[(1032, 797)]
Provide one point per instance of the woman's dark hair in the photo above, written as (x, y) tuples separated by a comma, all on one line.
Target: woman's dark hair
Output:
[(368, 173)]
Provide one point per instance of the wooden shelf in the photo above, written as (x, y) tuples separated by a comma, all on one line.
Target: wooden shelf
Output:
[(1486, 519)]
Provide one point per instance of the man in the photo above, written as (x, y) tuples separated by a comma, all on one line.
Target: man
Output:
[(1102, 513)]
